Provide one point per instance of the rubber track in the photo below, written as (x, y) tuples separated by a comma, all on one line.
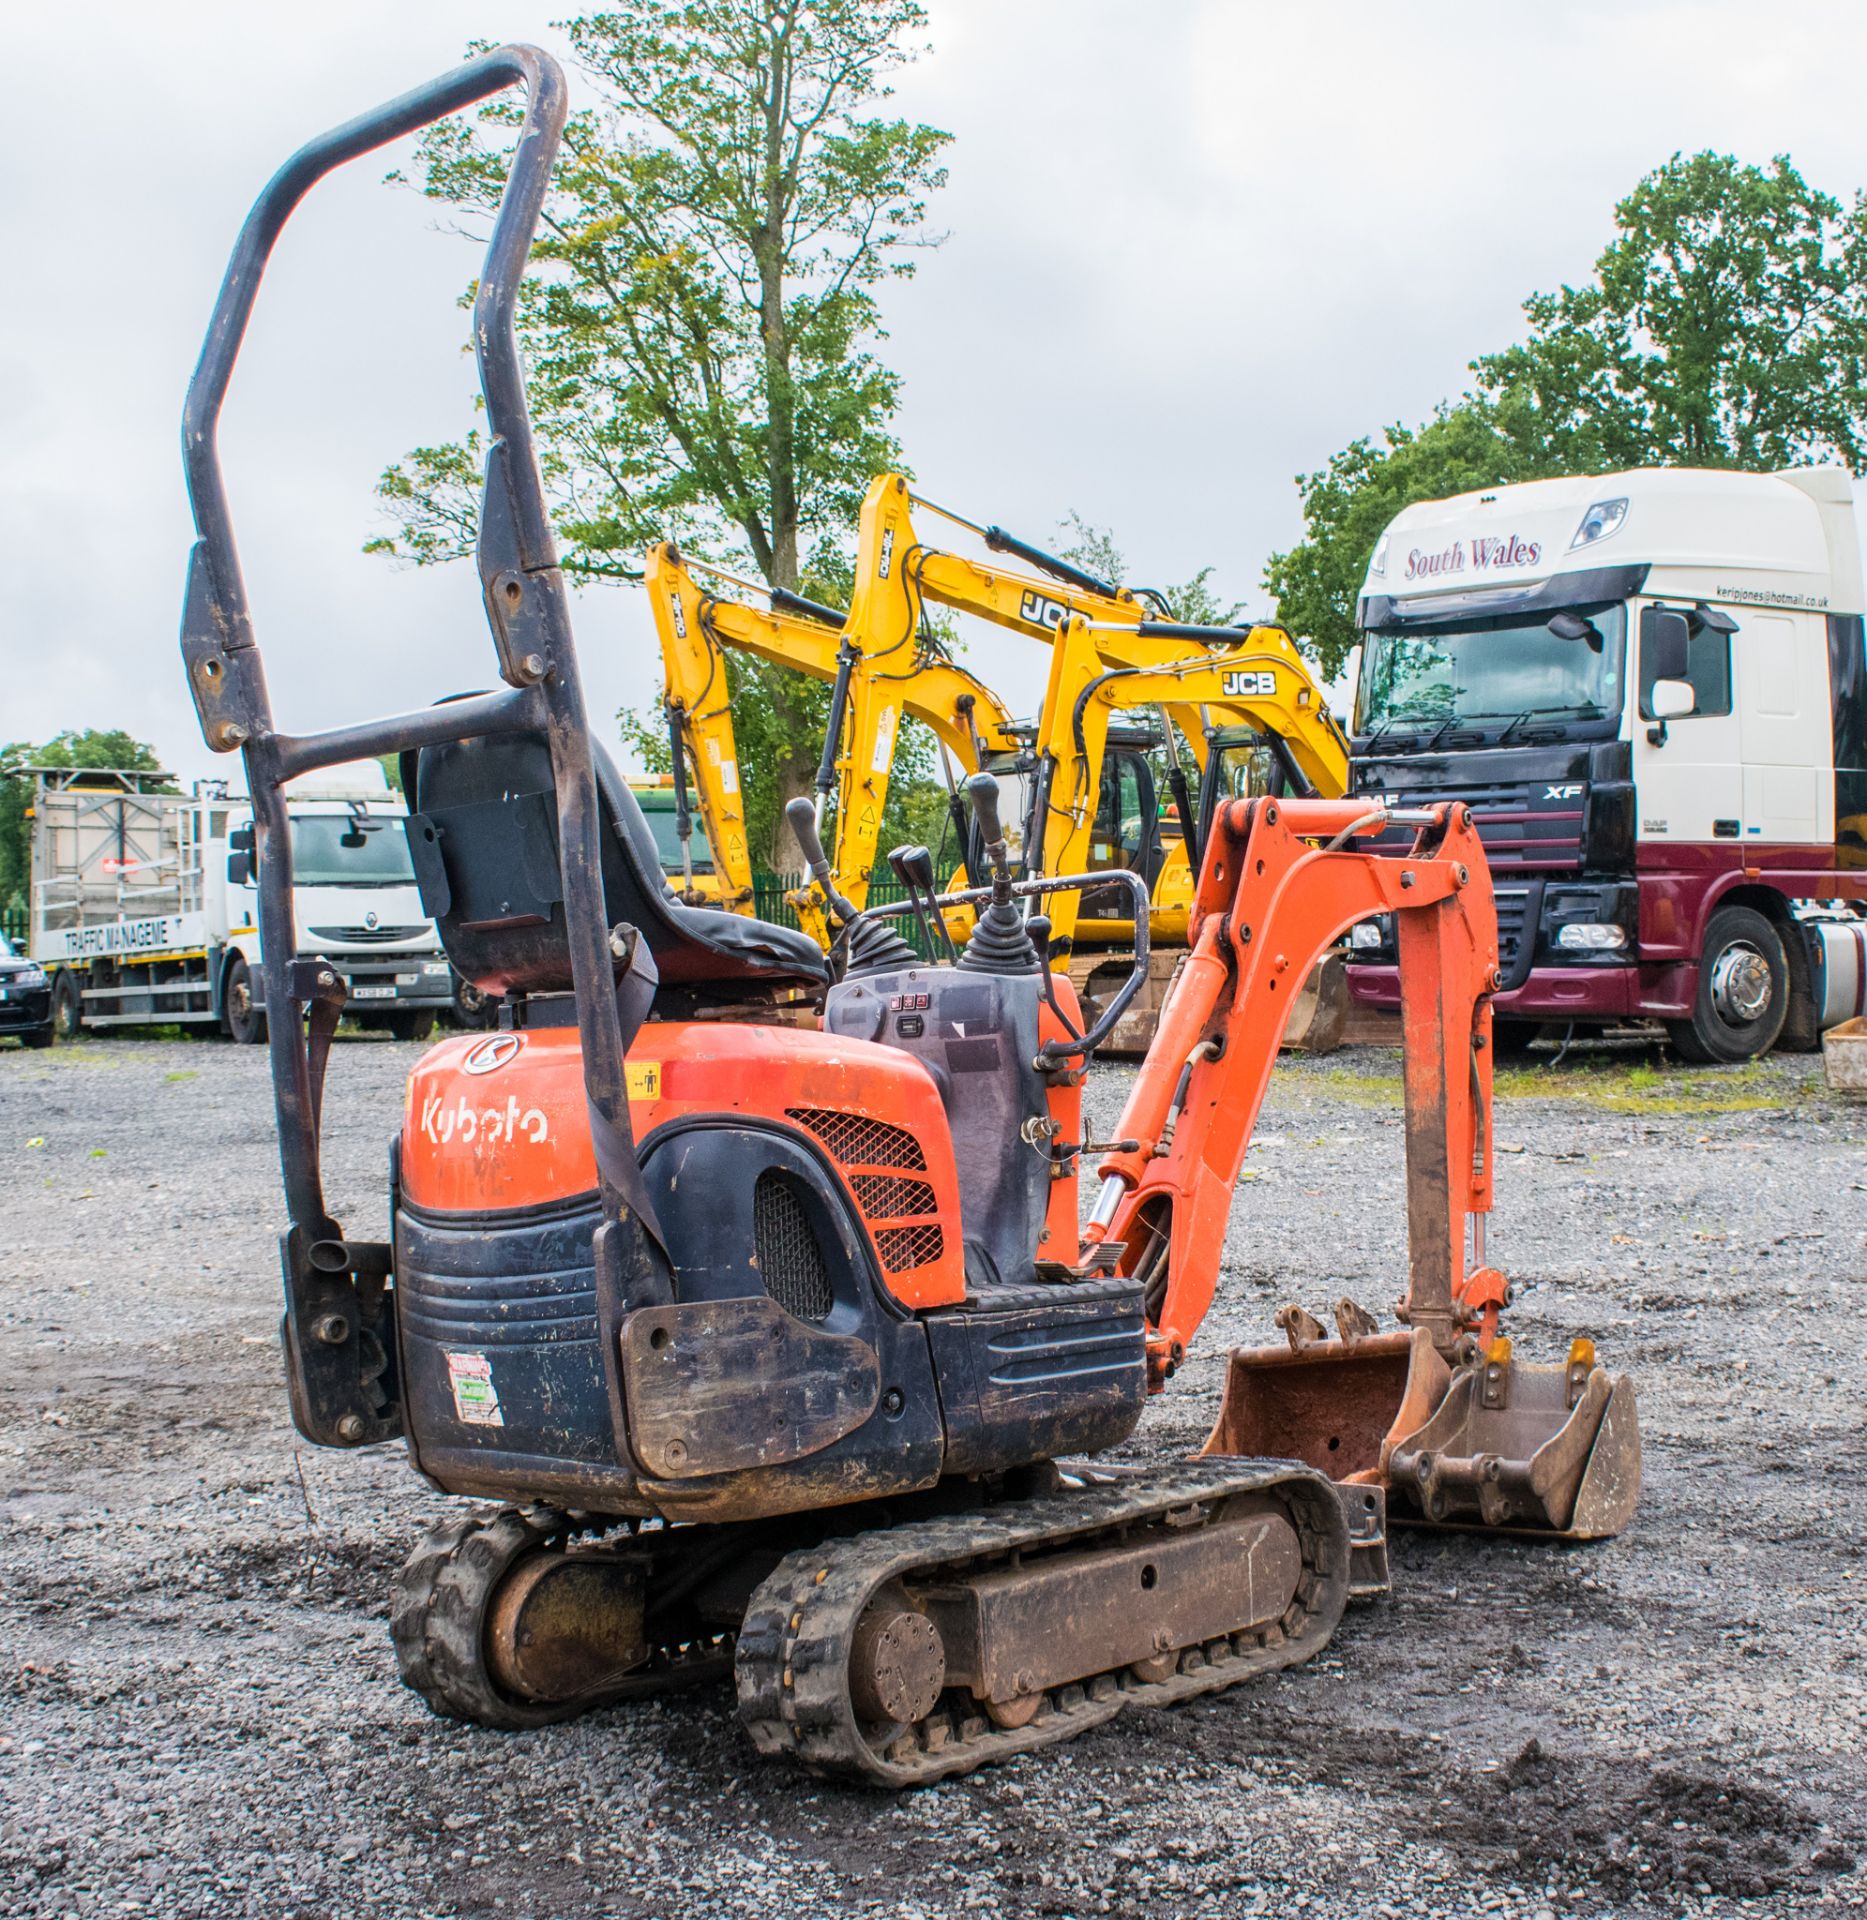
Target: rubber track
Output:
[(792, 1660), (437, 1617)]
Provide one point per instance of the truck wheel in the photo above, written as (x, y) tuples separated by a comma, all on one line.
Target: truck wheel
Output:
[(1743, 991), (411, 1023), (67, 1005), (473, 1010), (246, 1020)]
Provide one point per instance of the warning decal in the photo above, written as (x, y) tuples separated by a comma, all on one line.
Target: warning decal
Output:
[(476, 1399), (644, 1079)]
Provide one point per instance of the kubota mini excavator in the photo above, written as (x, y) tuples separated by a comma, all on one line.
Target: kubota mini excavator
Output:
[(768, 1337)]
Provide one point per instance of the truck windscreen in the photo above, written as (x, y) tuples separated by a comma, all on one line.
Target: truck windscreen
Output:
[(1475, 685), (321, 857)]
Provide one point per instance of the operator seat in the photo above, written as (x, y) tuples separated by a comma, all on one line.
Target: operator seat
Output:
[(482, 832)]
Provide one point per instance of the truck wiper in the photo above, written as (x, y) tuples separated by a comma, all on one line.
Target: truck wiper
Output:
[(1451, 720), (1385, 728)]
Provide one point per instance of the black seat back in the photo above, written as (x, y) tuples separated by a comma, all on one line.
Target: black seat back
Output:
[(482, 831)]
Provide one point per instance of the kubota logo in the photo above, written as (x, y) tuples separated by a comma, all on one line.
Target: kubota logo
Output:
[(492, 1053), (493, 1126)]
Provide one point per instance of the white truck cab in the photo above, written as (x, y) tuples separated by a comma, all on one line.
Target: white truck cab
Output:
[(354, 902), (1650, 687), (143, 903)]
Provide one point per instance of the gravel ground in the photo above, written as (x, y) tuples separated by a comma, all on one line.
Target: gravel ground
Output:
[(201, 1715)]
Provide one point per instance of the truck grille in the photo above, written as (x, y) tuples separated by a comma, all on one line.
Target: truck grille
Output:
[(1511, 902), (1515, 832), (367, 936)]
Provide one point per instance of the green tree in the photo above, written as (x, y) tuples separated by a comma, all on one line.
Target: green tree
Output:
[(1351, 500), (1724, 326), (94, 747), (701, 315)]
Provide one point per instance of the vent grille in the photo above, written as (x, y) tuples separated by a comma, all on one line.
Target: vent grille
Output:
[(885, 1196), (858, 1142), (366, 936), (905, 1247), (789, 1260)]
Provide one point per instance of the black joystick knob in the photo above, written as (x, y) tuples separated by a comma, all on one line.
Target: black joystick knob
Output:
[(982, 791), (802, 818), (914, 868)]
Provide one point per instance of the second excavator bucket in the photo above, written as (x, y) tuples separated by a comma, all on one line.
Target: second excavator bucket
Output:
[(1551, 1450)]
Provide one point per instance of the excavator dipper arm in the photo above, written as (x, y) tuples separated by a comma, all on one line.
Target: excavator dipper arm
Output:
[(1270, 900)]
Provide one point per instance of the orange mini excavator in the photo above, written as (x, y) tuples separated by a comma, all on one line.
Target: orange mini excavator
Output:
[(770, 1335)]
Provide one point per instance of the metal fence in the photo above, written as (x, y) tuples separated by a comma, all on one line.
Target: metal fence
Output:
[(768, 902)]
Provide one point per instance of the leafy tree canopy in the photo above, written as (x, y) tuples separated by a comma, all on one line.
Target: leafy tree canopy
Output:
[(701, 314), (1725, 326)]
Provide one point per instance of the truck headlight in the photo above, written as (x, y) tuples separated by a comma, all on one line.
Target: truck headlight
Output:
[(1364, 934), (1602, 519), (1591, 936)]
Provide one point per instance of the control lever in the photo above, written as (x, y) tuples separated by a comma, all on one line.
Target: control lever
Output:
[(913, 867), (1000, 943), (801, 816), (982, 791), (1037, 925)]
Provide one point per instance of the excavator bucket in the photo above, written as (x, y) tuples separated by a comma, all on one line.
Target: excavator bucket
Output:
[(1319, 1013), (1551, 1450)]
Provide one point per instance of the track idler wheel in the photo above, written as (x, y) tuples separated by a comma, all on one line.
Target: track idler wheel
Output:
[(495, 1623)]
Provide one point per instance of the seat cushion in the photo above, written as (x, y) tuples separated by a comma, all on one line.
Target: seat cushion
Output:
[(483, 833)]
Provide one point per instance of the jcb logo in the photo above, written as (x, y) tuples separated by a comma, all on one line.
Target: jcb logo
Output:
[(1244, 685), (1573, 791), (1042, 611)]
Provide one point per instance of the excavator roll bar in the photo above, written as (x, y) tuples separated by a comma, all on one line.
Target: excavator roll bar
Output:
[(342, 1349)]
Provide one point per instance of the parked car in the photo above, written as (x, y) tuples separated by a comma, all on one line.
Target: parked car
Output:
[(25, 997)]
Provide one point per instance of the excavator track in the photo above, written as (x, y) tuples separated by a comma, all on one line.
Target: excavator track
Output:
[(818, 1608), (438, 1623)]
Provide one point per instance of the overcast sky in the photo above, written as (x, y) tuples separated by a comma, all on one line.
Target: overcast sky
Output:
[(1195, 247)]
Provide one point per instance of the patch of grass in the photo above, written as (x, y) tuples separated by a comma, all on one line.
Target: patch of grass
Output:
[(186, 1073), (1615, 1086), (1641, 1087)]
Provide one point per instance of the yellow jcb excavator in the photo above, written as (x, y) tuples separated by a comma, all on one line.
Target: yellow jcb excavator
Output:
[(1250, 715)]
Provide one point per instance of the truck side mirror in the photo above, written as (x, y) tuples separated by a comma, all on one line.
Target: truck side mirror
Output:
[(1672, 699), (1664, 636), (240, 857)]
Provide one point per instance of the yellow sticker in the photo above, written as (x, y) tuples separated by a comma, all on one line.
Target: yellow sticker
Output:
[(644, 1080)]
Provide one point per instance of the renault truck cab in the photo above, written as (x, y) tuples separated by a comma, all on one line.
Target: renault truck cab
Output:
[(1650, 688)]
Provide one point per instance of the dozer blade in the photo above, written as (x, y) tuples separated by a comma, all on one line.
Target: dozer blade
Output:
[(1553, 1451)]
